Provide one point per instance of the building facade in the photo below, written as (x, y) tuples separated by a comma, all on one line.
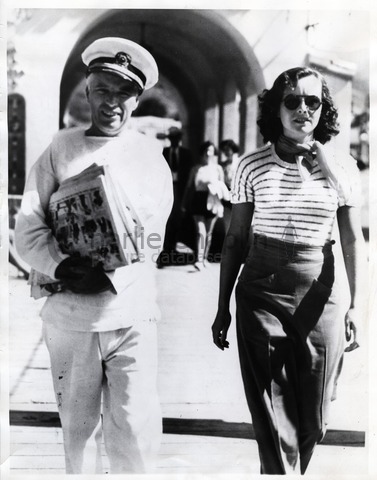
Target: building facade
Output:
[(213, 64)]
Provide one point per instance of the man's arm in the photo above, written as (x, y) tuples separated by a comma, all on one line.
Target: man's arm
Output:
[(33, 237), (164, 204), (36, 244)]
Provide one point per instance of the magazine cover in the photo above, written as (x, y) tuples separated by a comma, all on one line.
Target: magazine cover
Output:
[(85, 217), (87, 221)]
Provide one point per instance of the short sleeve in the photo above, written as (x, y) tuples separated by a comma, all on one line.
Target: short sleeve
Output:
[(242, 189), (351, 195)]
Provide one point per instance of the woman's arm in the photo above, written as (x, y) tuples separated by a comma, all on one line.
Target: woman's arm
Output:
[(235, 244), (355, 259), (220, 173)]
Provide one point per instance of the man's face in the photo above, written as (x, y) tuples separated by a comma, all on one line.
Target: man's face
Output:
[(112, 100)]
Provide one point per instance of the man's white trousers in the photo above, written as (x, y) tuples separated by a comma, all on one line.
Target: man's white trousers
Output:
[(118, 371)]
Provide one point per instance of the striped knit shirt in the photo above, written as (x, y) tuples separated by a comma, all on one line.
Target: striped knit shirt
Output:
[(287, 207)]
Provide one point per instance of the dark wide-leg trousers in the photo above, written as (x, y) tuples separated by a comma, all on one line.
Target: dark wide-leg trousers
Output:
[(290, 331)]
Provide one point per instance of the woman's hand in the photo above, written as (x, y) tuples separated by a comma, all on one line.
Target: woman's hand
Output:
[(220, 329), (351, 330), (356, 263)]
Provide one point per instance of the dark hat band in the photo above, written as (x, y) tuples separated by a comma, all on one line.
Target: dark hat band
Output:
[(98, 62)]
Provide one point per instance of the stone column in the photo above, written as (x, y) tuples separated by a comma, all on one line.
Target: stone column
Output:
[(211, 118)]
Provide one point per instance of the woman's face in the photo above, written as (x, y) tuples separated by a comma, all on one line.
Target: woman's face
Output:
[(210, 152), (301, 113), (208, 155)]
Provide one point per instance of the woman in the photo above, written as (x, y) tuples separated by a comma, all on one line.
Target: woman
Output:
[(204, 194), (290, 321)]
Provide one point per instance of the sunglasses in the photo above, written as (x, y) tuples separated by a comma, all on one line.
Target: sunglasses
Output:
[(291, 102)]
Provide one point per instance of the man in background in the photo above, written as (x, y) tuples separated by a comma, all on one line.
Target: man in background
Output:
[(180, 162)]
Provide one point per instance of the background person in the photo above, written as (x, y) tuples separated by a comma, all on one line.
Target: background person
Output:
[(180, 162), (228, 162), (101, 329), (291, 320), (203, 199)]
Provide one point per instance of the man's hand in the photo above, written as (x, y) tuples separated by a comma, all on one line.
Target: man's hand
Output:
[(220, 329), (79, 276)]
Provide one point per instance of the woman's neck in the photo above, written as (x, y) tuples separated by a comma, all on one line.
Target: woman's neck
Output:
[(299, 141), (287, 148)]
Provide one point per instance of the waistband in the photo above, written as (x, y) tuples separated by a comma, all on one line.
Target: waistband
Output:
[(291, 249)]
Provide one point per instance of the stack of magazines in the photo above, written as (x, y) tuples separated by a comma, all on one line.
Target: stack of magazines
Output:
[(91, 217)]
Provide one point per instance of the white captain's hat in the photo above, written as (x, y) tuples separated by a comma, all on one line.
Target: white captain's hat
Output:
[(122, 57)]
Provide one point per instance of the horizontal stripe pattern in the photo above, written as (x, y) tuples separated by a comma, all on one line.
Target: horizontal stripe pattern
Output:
[(285, 206)]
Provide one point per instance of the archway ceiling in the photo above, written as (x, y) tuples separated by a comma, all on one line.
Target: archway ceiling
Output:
[(194, 49)]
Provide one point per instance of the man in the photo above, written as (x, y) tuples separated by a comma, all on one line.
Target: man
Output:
[(100, 330), (180, 163)]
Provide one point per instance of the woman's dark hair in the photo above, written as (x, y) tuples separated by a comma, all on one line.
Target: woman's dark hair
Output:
[(269, 122), (230, 144), (204, 147)]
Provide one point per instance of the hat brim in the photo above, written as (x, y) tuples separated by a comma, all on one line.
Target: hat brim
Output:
[(121, 72)]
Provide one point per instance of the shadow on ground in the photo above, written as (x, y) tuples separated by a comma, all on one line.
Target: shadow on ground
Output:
[(200, 427)]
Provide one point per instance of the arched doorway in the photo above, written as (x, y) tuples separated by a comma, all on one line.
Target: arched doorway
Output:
[(209, 75)]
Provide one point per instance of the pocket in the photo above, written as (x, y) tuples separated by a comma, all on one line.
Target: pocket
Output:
[(312, 306), (257, 278), (322, 290)]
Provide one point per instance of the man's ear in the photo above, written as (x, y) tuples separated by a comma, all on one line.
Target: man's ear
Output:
[(87, 92), (136, 102)]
